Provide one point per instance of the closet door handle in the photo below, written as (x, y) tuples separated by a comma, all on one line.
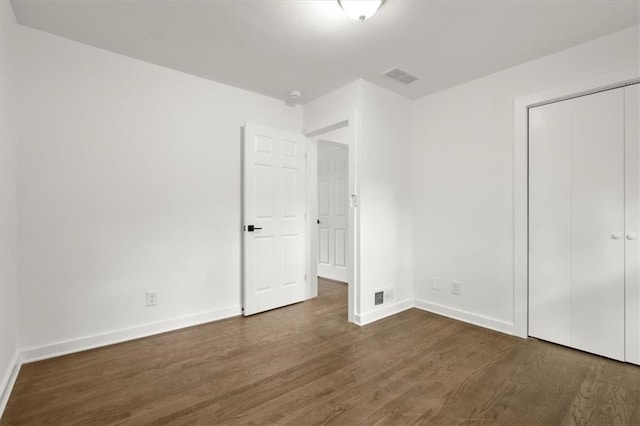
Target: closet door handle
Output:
[(631, 236), (616, 235)]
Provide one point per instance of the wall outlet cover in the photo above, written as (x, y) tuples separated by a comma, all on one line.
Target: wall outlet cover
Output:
[(456, 288), (379, 298), (152, 298)]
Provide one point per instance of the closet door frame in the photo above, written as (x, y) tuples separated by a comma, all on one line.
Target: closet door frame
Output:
[(522, 104)]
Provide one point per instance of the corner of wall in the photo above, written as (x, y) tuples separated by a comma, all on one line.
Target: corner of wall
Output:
[(384, 312), (8, 381), (385, 192), (9, 81)]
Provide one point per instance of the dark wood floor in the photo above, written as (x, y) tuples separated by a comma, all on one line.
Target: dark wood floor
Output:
[(305, 364)]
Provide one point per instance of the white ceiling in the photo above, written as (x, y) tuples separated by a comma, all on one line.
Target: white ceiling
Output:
[(273, 46)]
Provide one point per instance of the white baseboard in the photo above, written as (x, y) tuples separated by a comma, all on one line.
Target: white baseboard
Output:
[(383, 312), (479, 320), (103, 339), (8, 381), (122, 335)]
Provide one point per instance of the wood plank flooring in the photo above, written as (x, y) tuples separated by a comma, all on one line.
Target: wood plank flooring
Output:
[(305, 365)]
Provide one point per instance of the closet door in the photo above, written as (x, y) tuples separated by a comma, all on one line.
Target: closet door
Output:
[(632, 224), (576, 223)]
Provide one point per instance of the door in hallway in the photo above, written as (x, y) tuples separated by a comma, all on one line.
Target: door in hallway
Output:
[(333, 186)]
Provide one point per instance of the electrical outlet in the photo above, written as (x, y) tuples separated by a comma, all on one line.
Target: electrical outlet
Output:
[(435, 284), (379, 297), (456, 288), (152, 298)]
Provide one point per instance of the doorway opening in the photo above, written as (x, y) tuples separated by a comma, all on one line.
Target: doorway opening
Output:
[(280, 214), (332, 205), (332, 221)]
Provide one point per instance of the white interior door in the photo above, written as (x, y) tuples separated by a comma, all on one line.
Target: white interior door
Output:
[(576, 223), (274, 181), (332, 210)]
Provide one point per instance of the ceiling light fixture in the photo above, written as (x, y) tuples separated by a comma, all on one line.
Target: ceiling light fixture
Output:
[(360, 9)]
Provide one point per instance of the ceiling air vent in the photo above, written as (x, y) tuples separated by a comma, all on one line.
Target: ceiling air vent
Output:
[(402, 76)]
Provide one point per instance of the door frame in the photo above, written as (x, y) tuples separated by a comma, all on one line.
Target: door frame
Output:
[(352, 219), (522, 104)]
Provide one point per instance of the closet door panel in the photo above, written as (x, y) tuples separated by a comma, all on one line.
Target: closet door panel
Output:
[(597, 219), (550, 223)]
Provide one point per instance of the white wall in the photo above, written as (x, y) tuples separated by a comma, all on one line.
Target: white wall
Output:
[(384, 157), (463, 179), (8, 206), (129, 180), (334, 107), (383, 160)]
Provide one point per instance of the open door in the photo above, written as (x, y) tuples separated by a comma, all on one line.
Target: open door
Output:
[(333, 178), (274, 218)]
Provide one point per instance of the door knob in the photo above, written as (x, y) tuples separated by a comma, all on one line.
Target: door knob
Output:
[(252, 228), (632, 236), (616, 235)]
